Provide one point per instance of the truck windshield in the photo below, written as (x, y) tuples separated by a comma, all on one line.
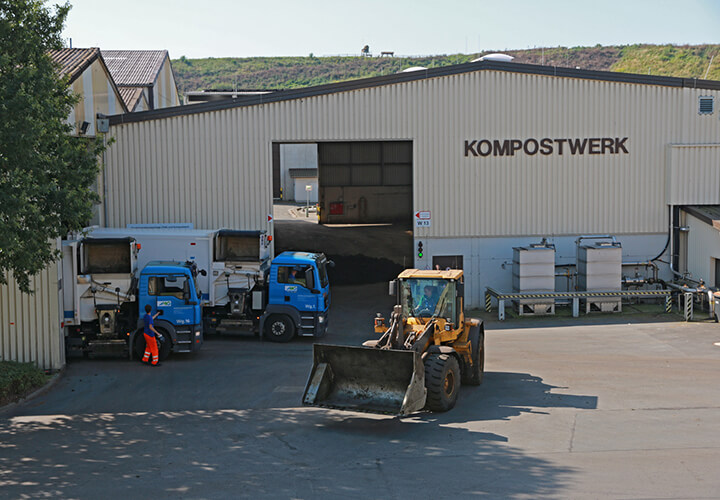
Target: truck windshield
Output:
[(426, 297)]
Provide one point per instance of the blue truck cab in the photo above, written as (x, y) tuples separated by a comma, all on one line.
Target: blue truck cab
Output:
[(298, 297), (170, 287)]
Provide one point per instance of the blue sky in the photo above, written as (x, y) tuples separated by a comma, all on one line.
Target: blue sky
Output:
[(220, 28)]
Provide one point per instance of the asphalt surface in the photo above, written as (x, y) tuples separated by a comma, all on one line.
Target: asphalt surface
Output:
[(618, 407)]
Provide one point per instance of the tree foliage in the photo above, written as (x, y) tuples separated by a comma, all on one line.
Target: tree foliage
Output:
[(46, 175)]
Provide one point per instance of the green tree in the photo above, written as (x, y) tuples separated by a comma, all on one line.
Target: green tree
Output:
[(46, 175)]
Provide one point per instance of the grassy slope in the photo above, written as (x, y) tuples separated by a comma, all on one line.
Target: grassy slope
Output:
[(291, 72)]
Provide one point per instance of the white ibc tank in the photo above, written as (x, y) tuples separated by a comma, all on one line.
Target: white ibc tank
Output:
[(600, 267), (534, 268)]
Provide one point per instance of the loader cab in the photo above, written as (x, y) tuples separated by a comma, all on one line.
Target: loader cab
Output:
[(431, 294)]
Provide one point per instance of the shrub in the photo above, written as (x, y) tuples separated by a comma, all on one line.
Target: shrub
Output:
[(17, 380)]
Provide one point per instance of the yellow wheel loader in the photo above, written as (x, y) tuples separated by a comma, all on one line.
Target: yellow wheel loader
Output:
[(426, 350)]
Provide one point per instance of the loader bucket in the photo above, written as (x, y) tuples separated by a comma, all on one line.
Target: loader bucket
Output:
[(366, 379)]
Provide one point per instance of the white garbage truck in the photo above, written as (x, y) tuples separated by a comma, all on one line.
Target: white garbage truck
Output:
[(203, 281)]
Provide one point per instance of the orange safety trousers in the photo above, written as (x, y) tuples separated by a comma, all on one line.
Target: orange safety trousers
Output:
[(151, 349)]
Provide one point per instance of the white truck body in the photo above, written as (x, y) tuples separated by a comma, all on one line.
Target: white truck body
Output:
[(86, 288), (196, 245)]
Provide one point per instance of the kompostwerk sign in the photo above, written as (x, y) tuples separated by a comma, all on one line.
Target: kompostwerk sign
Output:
[(546, 146)]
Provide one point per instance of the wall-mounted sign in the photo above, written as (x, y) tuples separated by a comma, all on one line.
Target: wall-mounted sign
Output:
[(423, 218), (546, 146)]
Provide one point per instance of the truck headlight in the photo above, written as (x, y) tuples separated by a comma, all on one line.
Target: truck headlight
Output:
[(197, 334), (321, 319)]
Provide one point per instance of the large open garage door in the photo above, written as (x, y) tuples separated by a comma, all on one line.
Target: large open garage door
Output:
[(364, 191), (365, 182)]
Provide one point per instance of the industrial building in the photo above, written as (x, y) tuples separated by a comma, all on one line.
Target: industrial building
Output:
[(90, 79), (483, 160), (145, 78), (491, 155)]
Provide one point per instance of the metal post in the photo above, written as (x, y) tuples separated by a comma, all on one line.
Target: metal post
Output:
[(711, 304), (688, 313), (668, 304), (576, 307), (501, 309), (488, 302)]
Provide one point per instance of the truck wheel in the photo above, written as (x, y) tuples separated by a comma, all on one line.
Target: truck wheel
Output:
[(442, 380), (165, 348), (473, 375), (279, 328)]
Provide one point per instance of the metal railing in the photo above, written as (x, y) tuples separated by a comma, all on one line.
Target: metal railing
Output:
[(576, 296)]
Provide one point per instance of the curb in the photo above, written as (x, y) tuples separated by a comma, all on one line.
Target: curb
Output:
[(38, 392)]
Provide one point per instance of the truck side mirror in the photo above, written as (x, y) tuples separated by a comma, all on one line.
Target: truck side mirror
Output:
[(331, 263), (392, 288)]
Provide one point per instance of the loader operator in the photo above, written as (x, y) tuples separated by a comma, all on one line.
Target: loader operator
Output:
[(429, 300), (151, 334)]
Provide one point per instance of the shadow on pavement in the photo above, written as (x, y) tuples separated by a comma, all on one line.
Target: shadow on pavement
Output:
[(290, 452)]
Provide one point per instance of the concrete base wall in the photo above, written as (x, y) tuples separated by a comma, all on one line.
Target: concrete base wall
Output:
[(488, 261), (367, 204)]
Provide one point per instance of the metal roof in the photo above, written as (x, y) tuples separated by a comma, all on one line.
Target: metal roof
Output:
[(73, 62), (710, 214), (131, 96), (303, 172), (452, 274), (379, 81), (135, 68)]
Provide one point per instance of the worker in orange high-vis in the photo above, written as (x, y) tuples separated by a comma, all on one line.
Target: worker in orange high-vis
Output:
[(151, 335)]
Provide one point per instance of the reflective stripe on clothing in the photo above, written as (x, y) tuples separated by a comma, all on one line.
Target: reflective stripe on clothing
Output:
[(151, 349)]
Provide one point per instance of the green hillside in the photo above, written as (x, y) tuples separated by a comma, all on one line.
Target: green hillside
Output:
[(291, 72)]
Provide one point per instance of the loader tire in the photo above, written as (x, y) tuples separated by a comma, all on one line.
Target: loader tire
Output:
[(473, 375), (442, 380), (279, 328)]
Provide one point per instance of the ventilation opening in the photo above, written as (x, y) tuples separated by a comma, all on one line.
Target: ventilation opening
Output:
[(706, 105)]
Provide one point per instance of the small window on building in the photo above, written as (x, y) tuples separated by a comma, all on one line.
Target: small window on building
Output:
[(444, 262), (706, 105)]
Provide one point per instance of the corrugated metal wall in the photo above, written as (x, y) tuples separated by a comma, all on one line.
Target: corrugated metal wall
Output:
[(693, 175), (214, 168), (30, 328)]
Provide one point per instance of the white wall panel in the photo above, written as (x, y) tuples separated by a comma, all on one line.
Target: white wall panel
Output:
[(693, 175)]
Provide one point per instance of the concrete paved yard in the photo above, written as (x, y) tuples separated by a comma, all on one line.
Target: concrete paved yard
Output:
[(606, 409)]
